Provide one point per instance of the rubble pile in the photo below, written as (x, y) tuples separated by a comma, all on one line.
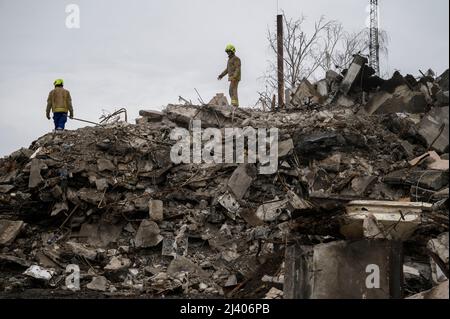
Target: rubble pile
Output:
[(365, 177)]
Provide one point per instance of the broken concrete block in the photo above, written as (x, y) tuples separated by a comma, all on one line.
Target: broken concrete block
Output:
[(151, 116), (98, 284), (81, 250), (434, 127), (176, 246), (156, 209), (241, 180), (9, 230), (210, 116), (352, 73), (285, 148), (118, 263), (219, 100), (274, 293), (367, 269), (440, 246), (184, 265), (228, 201), (101, 184), (35, 174), (270, 211), (399, 219), (439, 264), (148, 234), (433, 161), (439, 292), (374, 229), (38, 272), (305, 94), (402, 100), (429, 179), (104, 164)]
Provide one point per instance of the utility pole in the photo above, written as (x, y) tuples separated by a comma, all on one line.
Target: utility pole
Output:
[(280, 58), (374, 47)]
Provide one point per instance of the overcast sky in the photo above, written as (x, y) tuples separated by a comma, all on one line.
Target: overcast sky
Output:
[(144, 54)]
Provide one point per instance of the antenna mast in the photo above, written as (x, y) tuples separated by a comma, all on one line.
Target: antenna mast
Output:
[(374, 46)]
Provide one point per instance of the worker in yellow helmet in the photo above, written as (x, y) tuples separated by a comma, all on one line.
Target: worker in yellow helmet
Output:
[(234, 73), (60, 103)]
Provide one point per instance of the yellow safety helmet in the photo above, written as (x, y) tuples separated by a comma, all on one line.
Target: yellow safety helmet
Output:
[(58, 82), (230, 48)]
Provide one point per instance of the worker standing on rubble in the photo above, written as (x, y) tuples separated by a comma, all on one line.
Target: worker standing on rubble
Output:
[(60, 103), (234, 73)]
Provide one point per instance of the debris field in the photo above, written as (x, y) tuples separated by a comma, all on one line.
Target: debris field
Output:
[(361, 186)]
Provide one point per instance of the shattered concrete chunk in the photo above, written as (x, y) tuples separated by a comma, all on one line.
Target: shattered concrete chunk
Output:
[(38, 272), (155, 208), (101, 184), (219, 100), (104, 164), (406, 217), (118, 263), (183, 264), (305, 94), (402, 100), (82, 250), (270, 211), (440, 246), (35, 174), (241, 180), (352, 73), (99, 283), (285, 147), (274, 293), (148, 234), (434, 127), (429, 179), (9, 230), (228, 201), (151, 115)]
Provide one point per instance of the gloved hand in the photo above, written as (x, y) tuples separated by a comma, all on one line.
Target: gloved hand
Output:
[(71, 115), (48, 116), (220, 77)]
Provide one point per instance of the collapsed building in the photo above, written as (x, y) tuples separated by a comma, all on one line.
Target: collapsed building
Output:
[(357, 208)]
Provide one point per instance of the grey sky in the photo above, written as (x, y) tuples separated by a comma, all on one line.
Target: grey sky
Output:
[(144, 54)]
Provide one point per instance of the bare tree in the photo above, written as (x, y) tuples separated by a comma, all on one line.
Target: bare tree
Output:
[(327, 47), (303, 52), (351, 44)]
